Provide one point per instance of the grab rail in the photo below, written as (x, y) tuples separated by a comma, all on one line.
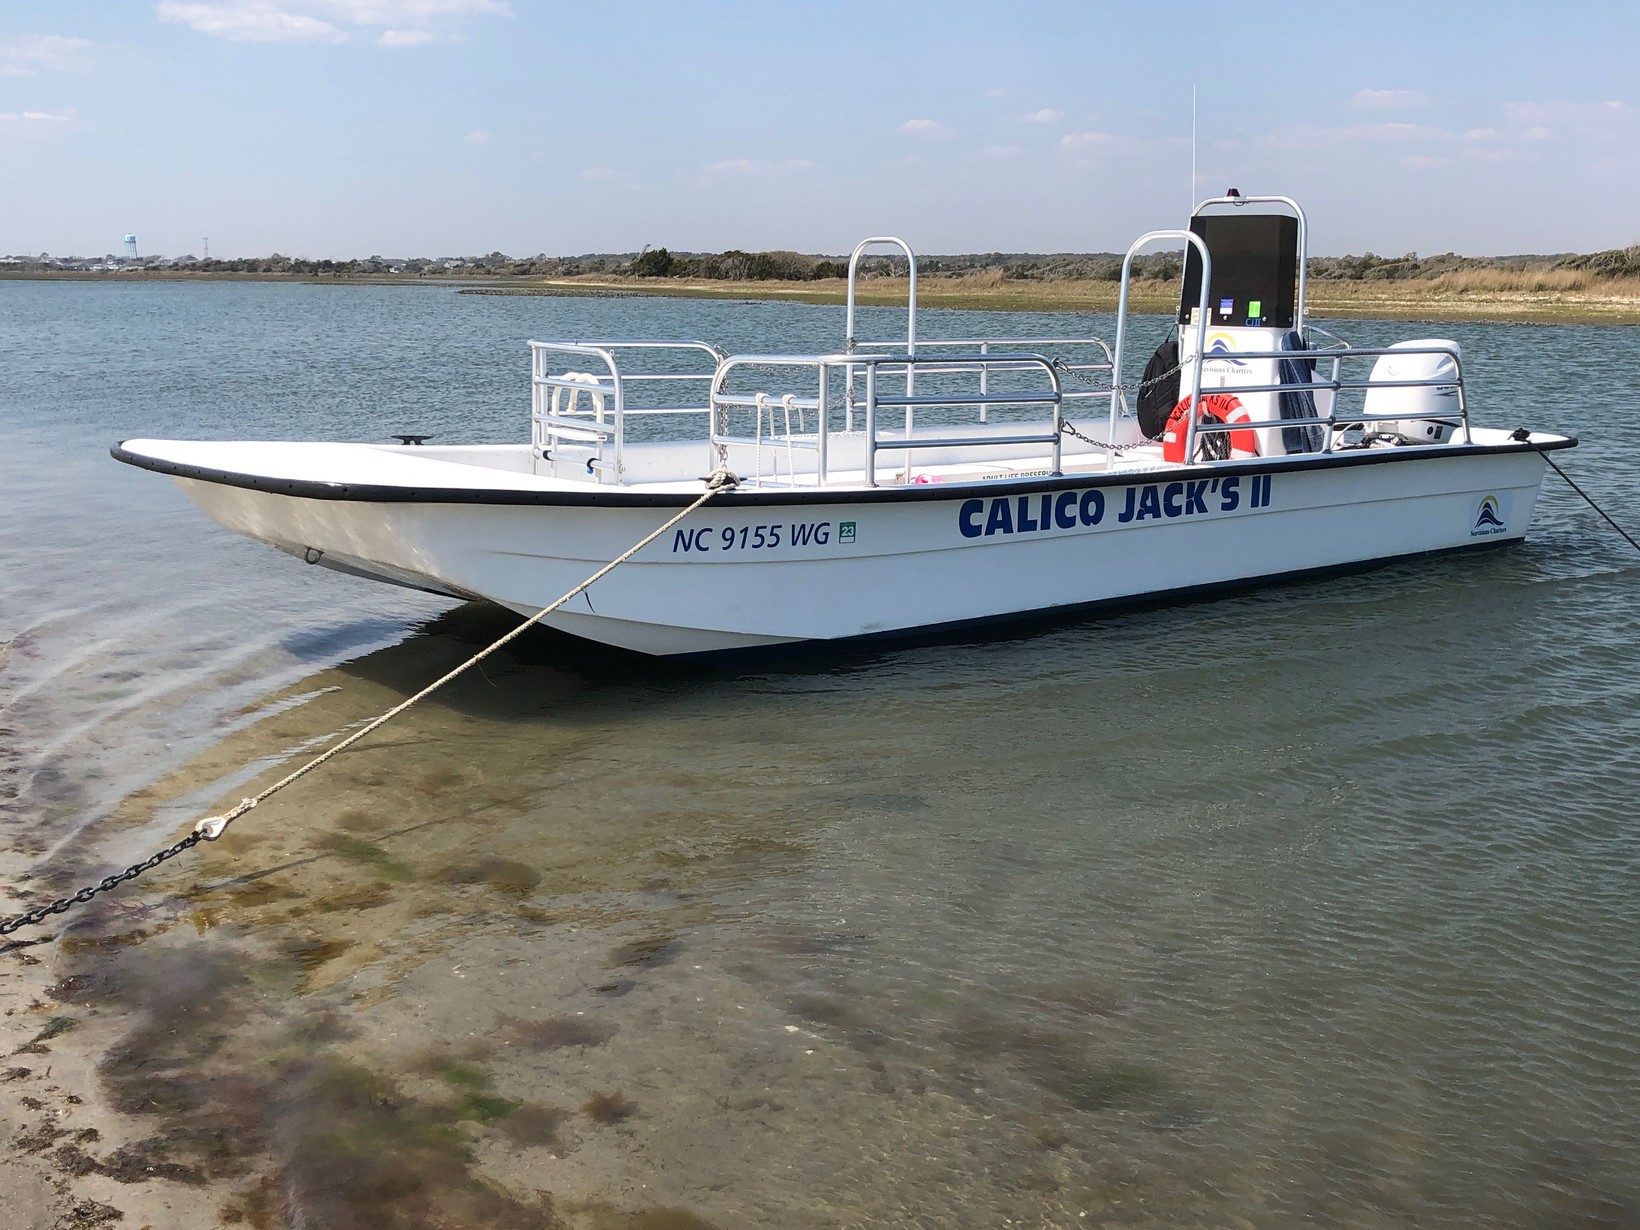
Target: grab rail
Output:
[(850, 342), (556, 418), (982, 346), (1200, 245), (722, 401)]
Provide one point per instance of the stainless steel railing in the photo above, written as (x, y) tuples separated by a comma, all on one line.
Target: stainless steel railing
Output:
[(1335, 385), (561, 430), (837, 371)]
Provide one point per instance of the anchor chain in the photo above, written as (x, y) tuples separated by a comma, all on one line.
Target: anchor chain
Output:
[(37, 916), (1136, 388), (212, 827)]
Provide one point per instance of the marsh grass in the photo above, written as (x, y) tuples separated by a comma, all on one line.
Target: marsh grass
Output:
[(1502, 295)]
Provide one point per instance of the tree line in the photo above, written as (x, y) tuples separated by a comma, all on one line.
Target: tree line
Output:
[(735, 265)]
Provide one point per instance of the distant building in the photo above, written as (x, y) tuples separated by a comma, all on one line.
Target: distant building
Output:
[(130, 247)]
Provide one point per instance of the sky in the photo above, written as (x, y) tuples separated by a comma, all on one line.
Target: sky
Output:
[(346, 128)]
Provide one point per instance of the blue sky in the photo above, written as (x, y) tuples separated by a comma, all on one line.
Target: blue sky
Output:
[(436, 127)]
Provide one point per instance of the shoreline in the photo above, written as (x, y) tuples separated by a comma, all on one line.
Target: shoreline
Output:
[(1405, 299)]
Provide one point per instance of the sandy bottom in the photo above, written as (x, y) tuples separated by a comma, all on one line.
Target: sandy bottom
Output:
[(503, 967)]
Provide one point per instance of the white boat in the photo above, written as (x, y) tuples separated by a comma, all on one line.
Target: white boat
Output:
[(914, 484)]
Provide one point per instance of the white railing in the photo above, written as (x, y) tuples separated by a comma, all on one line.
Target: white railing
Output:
[(1083, 370), (563, 432), (581, 397), (839, 372), (1459, 418)]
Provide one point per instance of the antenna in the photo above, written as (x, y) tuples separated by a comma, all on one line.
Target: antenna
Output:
[(207, 248), (1192, 148)]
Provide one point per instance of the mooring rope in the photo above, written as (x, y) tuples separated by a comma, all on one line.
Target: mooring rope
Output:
[(1588, 499), (212, 827)]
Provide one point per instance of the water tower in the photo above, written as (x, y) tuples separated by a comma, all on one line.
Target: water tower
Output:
[(130, 247)]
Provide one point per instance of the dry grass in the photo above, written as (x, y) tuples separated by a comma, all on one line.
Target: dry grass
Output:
[(1502, 295), (1565, 296), (1533, 281), (981, 290)]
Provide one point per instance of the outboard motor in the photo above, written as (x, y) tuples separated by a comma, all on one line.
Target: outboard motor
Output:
[(1429, 413)]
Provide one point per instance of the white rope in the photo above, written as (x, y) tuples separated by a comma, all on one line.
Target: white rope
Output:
[(212, 827)]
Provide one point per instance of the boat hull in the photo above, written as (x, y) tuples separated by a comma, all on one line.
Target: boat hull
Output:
[(754, 569)]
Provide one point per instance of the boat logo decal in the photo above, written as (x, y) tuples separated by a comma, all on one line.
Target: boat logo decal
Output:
[(845, 532), (1488, 518), (1068, 510), (1222, 345)]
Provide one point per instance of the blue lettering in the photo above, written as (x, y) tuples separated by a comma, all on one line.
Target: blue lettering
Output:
[(1195, 497), (1127, 513), (968, 518), (691, 540), (1046, 516), (822, 533), (1001, 520), (1150, 504), (1025, 522), (1092, 508), (1232, 497), (1064, 510), (1171, 494)]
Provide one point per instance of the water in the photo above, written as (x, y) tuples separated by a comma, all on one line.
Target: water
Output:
[(1308, 907)]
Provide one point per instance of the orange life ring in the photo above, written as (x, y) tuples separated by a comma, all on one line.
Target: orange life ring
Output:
[(1220, 408)]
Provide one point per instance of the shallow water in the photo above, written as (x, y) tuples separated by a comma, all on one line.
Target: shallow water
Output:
[(1311, 906)]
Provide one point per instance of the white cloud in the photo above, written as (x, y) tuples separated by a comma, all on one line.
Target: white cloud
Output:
[(1423, 162), (29, 55), (755, 168), (600, 175), (1481, 134), (477, 138), (33, 122), (1090, 142), (251, 23), (1045, 116), (931, 129), (405, 38), (1373, 100), (1535, 114), (402, 23), (996, 92), (1001, 151), (1311, 137), (1607, 122)]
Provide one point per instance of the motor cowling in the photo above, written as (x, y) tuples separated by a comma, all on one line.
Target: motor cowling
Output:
[(1426, 413)]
